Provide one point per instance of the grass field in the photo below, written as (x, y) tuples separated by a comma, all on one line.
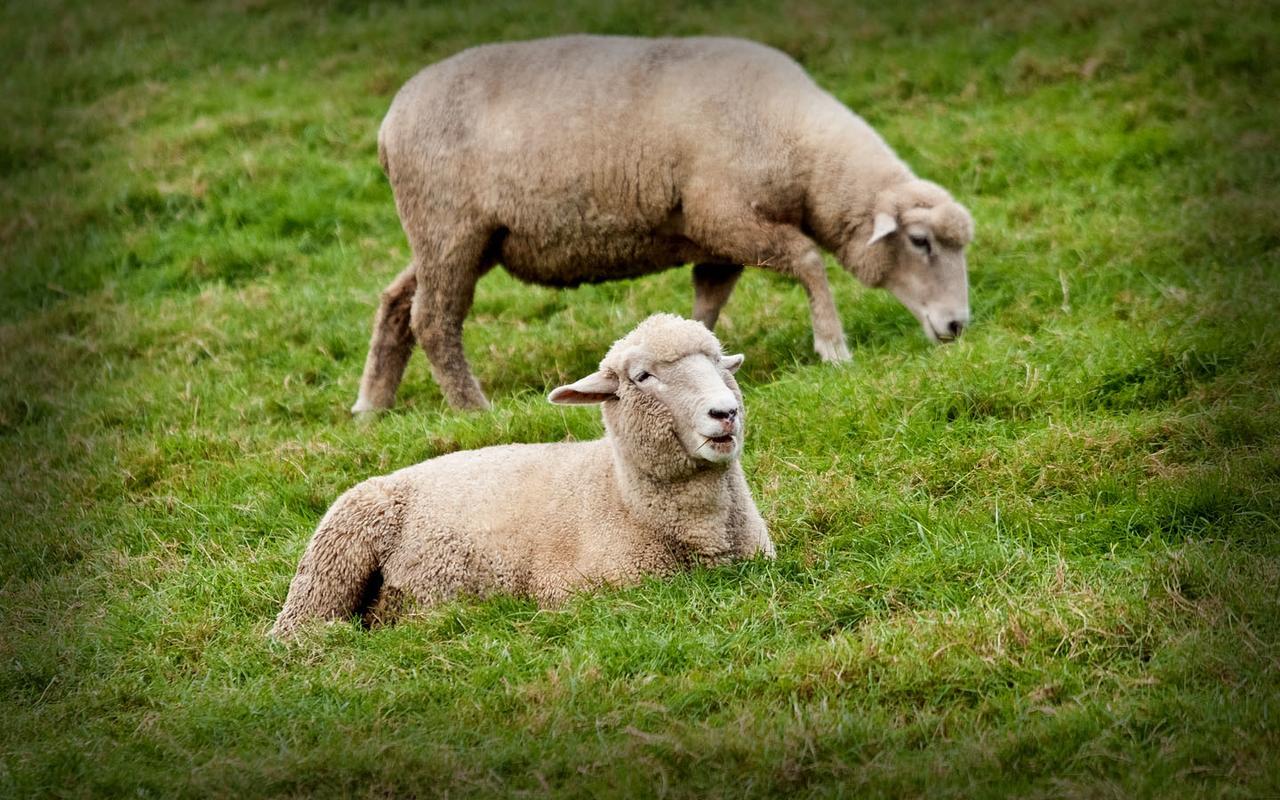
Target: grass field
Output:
[(1043, 561)]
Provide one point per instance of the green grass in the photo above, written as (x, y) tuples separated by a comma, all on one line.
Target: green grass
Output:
[(1043, 561)]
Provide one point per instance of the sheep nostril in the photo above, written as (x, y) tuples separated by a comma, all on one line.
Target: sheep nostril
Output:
[(723, 413), (955, 327)]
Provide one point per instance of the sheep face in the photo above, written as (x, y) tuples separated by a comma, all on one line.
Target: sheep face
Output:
[(916, 252), (648, 402), (699, 396)]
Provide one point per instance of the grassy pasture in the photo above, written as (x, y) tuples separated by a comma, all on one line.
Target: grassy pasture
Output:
[(1043, 561)]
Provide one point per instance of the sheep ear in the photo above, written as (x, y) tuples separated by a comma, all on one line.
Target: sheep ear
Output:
[(595, 388), (732, 363), (885, 225)]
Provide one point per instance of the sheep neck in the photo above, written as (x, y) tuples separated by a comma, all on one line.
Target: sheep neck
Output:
[(687, 507), (848, 164)]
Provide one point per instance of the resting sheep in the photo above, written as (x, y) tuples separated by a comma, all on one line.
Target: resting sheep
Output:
[(661, 491), (593, 158)]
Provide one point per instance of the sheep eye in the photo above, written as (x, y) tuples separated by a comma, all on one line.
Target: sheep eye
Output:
[(641, 376), (921, 242)]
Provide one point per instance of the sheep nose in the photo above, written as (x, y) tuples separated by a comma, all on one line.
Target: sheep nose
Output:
[(723, 413)]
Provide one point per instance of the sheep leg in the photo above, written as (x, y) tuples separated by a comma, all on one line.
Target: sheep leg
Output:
[(444, 296), (752, 240), (712, 285), (343, 556), (390, 347), (828, 332)]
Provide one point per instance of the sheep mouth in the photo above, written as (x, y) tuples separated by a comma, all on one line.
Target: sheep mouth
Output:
[(718, 449), (724, 445), (940, 338)]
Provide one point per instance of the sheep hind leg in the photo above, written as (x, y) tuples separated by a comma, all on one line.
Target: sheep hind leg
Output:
[(439, 309), (334, 575), (390, 346), (712, 285)]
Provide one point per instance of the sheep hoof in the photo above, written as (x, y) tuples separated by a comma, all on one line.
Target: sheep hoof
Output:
[(364, 411), (472, 404), (361, 406), (833, 352), (468, 398)]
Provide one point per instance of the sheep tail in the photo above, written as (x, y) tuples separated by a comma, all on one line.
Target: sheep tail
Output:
[(382, 156)]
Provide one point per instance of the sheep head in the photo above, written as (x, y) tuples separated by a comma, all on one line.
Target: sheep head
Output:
[(915, 249), (670, 401)]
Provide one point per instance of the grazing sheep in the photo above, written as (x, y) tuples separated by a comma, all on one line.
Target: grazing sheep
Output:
[(661, 491), (592, 158)]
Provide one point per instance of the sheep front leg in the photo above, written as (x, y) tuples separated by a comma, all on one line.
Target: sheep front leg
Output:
[(828, 333), (443, 298), (712, 285), (390, 346), (748, 238)]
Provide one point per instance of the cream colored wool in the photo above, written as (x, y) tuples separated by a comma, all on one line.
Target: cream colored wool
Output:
[(591, 158), (655, 495)]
